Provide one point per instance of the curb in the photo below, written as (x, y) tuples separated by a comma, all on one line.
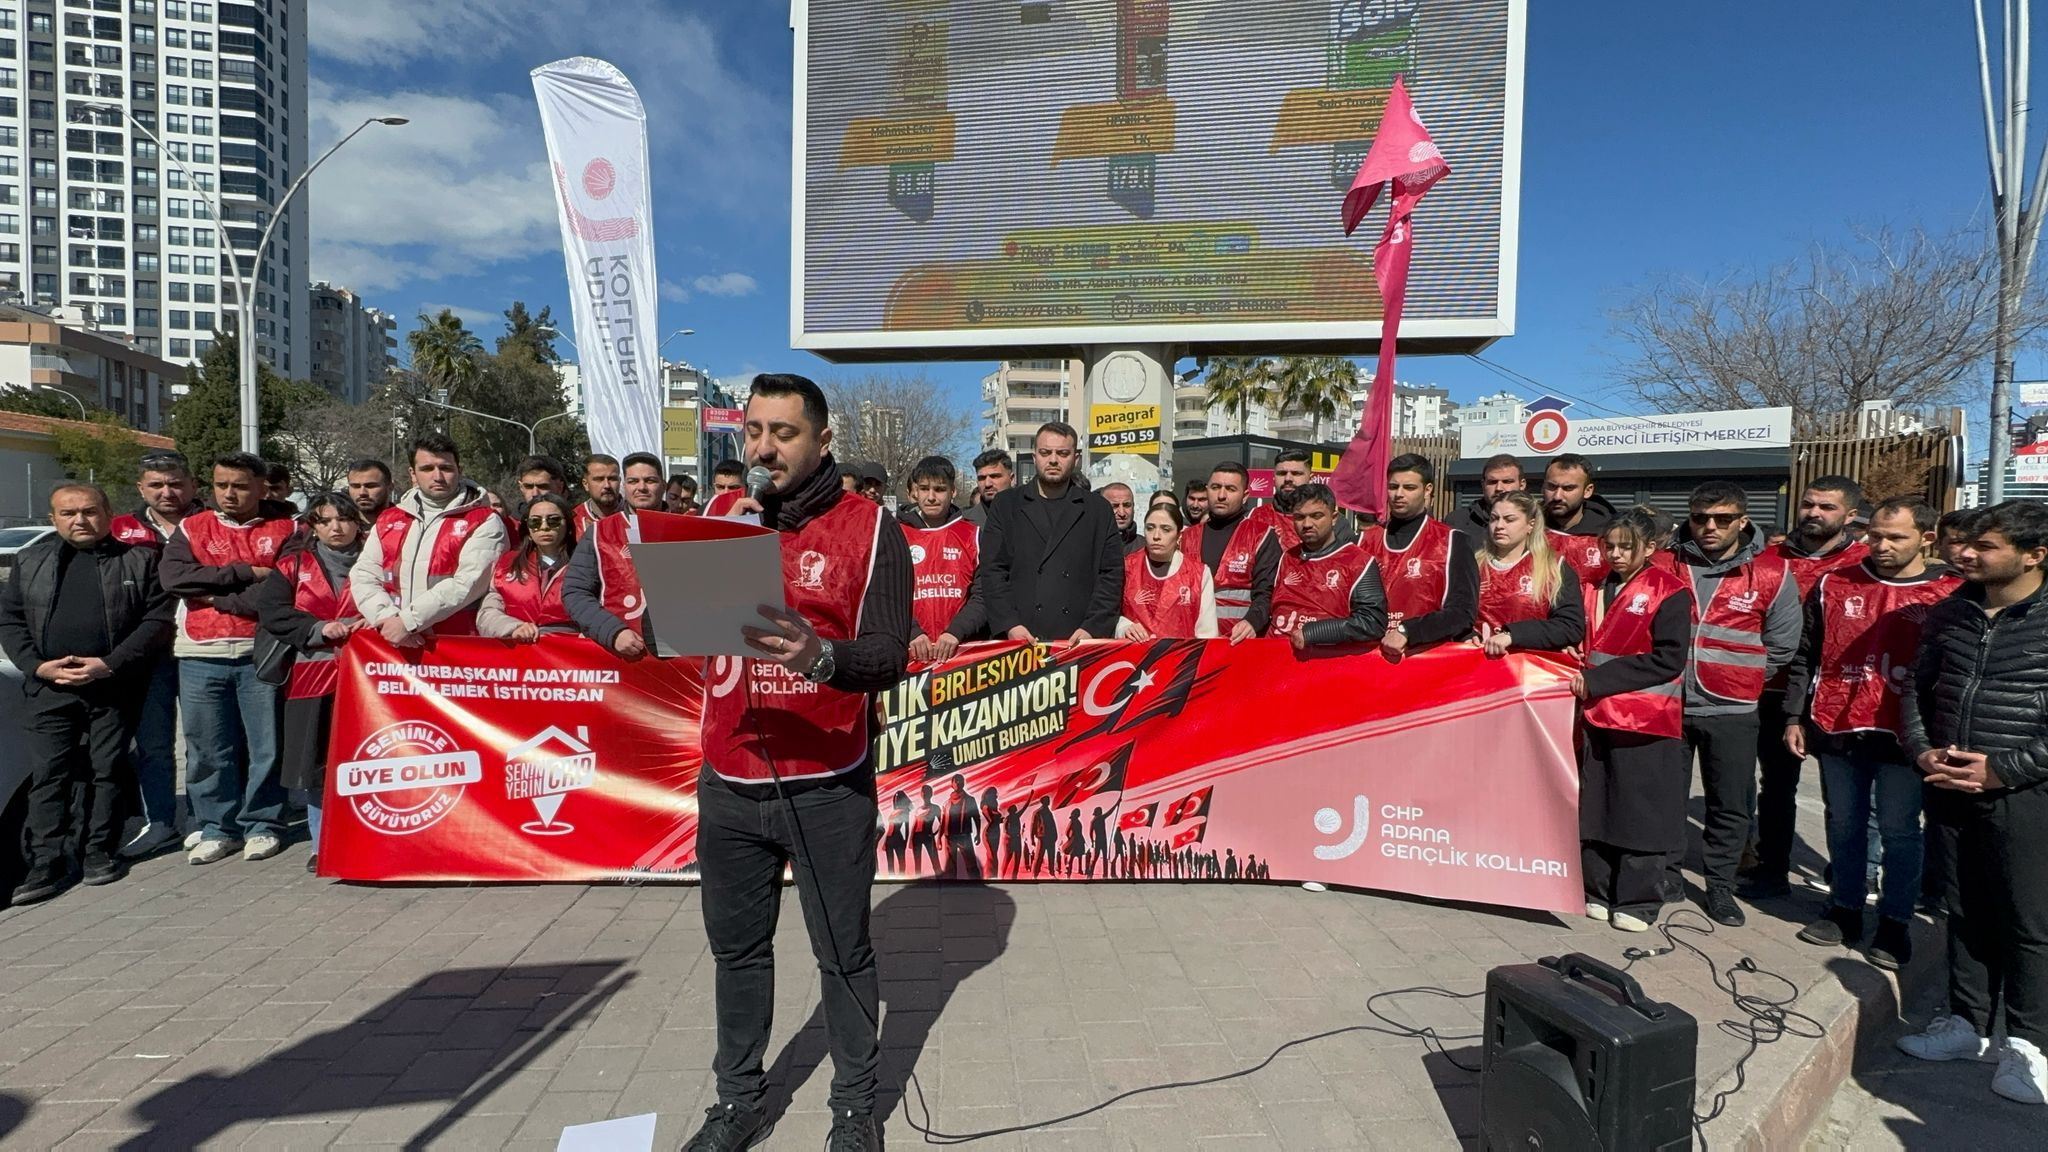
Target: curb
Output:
[(1790, 1085)]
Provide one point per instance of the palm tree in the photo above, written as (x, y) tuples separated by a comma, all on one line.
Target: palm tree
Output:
[(1238, 382), (446, 353), (1318, 387)]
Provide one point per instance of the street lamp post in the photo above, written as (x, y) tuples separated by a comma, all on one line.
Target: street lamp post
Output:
[(245, 299), (532, 430), (65, 393)]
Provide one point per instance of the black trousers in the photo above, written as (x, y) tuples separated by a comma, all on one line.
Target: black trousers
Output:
[(78, 742), (744, 838), (1726, 747), (1777, 796), (1998, 926), (1623, 880)]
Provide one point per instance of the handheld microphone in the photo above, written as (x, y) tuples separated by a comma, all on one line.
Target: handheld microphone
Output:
[(759, 481)]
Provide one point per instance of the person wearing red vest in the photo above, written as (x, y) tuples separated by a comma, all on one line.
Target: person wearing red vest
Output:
[(1824, 540), (428, 559), (1856, 656), (231, 716), (525, 599), (1432, 593), (1576, 517), (945, 549), (1168, 595), (1746, 627), (602, 588), (1328, 592), (1241, 546), (1529, 599), (307, 611), (168, 496), (787, 779), (600, 490), (1634, 770)]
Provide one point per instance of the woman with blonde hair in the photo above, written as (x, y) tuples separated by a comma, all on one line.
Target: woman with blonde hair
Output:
[(1529, 598)]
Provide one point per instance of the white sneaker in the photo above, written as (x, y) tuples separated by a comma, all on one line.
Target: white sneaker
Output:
[(261, 847), (153, 838), (211, 851), (1628, 923), (193, 838), (1596, 911), (1947, 1038), (2022, 1074)]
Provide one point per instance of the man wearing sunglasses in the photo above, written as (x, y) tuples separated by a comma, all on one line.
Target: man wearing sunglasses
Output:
[(1748, 620), (169, 494)]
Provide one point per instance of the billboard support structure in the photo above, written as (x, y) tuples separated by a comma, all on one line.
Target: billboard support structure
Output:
[(1129, 408)]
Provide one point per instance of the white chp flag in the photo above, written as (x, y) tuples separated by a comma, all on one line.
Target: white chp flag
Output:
[(596, 132)]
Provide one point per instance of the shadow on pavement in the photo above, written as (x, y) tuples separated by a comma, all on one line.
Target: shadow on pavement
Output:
[(13, 1110), (456, 1035), (1457, 1088), (929, 937)]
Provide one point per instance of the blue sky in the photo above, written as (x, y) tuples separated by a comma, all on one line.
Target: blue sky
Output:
[(1695, 139)]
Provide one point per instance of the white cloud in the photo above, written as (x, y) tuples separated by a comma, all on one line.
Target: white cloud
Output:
[(674, 293), (481, 321), (397, 31), (725, 284)]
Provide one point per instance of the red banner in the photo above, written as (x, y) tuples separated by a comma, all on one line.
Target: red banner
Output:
[(1446, 775)]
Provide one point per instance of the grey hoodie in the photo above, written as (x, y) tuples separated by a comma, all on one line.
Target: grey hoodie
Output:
[(1783, 618)]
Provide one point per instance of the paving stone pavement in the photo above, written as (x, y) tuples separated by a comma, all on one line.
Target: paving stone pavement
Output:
[(251, 1005)]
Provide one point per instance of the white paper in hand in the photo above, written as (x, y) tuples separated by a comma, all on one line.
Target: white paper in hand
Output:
[(626, 1134), (703, 578)]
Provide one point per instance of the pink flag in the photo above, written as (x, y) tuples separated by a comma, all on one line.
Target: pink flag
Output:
[(1403, 153)]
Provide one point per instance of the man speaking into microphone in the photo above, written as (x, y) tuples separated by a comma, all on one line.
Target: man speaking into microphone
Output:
[(786, 777)]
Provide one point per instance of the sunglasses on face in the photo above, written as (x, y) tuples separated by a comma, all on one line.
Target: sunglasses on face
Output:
[(1716, 519), (543, 521)]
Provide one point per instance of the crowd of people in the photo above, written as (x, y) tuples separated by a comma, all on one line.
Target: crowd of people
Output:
[(1901, 650)]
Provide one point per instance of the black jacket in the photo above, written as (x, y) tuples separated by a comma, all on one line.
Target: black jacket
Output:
[(1051, 565), (1981, 684), (139, 611), (1478, 525)]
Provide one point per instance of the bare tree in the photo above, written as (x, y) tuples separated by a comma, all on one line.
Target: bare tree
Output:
[(324, 437), (1910, 319), (895, 421)]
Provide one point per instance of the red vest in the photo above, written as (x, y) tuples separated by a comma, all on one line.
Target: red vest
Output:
[(942, 561), (1170, 608), (1583, 553), (1240, 556), (754, 711), (451, 532), (618, 582), (1622, 628), (1417, 577), (1870, 633), (535, 600), (314, 673), (1808, 570), (1728, 632), (1508, 595), (218, 544), (136, 531), (1319, 589)]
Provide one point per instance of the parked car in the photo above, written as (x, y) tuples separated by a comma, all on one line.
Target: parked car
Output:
[(13, 540)]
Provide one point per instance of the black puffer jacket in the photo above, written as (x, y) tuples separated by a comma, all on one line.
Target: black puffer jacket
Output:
[(1981, 684)]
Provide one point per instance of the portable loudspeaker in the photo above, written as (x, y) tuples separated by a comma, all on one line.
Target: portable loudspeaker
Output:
[(1577, 1057)]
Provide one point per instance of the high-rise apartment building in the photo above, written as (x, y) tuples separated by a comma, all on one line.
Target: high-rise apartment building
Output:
[(354, 346), (97, 216), (1023, 394)]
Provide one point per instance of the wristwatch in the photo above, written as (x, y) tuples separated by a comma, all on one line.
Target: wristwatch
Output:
[(823, 667)]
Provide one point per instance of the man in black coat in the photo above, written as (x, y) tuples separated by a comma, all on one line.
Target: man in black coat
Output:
[(85, 619), (1973, 722), (1052, 563)]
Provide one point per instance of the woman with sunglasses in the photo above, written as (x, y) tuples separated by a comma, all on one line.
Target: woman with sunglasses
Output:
[(1634, 770), (1529, 598), (525, 598), (306, 613)]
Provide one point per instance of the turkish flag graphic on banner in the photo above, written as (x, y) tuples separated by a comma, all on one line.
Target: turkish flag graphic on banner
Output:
[(1106, 774), (1403, 153), (1140, 817), (1188, 807), (1192, 834)]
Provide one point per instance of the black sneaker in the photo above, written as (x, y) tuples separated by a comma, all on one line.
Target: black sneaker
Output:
[(730, 1128), (1722, 908), (1670, 891), (313, 864), (38, 887), (853, 1132), (1892, 948), (1839, 926), (103, 870), (1764, 886)]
